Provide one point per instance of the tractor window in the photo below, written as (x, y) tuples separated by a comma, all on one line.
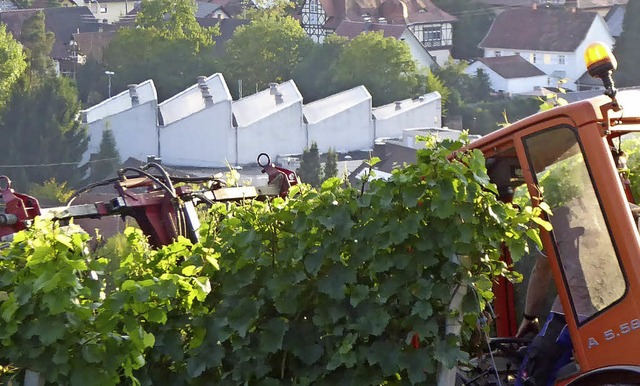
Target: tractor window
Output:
[(582, 241)]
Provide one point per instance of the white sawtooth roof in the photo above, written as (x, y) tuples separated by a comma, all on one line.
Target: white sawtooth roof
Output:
[(121, 102), (388, 111), (327, 107), (258, 106), (191, 101)]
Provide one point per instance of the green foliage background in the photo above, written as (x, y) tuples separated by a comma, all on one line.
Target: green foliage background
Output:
[(328, 287)]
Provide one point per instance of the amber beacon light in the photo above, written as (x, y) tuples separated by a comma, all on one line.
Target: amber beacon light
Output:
[(601, 64)]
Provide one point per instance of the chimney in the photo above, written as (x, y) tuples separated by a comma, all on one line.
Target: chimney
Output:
[(279, 97), (208, 99), (398, 105), (273, 88), (133, 93), (201, 80)]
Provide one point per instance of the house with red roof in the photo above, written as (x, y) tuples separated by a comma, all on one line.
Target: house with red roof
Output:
[(63, 22), (509, 74), (432, 26), (351, 29), (553, 40)]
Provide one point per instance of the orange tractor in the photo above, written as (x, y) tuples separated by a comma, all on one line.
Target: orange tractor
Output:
[(593, 250)]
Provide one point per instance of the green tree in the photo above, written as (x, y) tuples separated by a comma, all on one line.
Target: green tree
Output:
[(267, 50), (41, 133), (626, 49), (330, 165), (91, 82), (37, 42), (175, 20), (310, 170), (314, 74), (107, 161), (433, 83), (155, 58), (487, 116), (12, 65), (165, 30), (330, 287), (50, 192), (479, 86), (383, 65)]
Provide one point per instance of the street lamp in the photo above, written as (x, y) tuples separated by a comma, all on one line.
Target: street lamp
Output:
[(109, 74)]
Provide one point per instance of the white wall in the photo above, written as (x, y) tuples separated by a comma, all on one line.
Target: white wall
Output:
[(208, 138), (389, 121), (441, 56), (418, 52), (497, 82), (599, 32), (277, 134), (132, 122), (203, 139), (524, 85), (114, 10), (134, 130), (347, 130), (513, 86)]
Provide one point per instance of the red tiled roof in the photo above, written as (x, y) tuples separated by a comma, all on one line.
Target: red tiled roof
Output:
[(424, 11), (539, 30), (511, 67), (351, 29), (62, 21), (92, 44)]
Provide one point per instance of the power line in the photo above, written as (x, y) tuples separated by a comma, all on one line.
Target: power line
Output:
[(56, 164)]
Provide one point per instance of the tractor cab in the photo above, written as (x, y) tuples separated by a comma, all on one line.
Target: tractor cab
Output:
[(571, 160)]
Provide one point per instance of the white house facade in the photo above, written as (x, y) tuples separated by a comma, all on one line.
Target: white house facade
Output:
[(390, 120), (557, 47), (270, 122), (509, 74), (108, 11), (341, 121), (437, 38)]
